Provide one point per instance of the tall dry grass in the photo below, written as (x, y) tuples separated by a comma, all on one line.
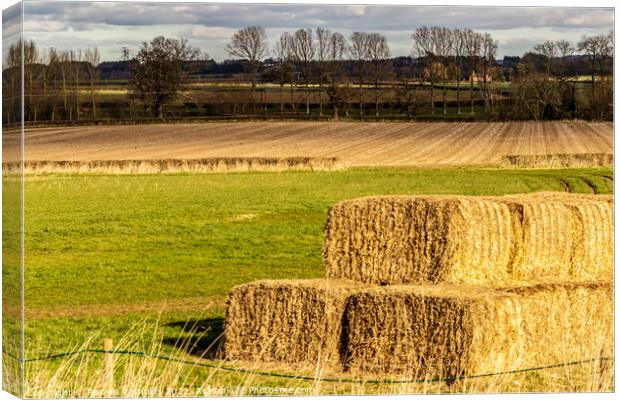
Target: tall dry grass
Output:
[(577, 160), (84, 375), (201, 165)]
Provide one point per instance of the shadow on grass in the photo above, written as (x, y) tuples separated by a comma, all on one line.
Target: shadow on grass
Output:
[(204, 337)]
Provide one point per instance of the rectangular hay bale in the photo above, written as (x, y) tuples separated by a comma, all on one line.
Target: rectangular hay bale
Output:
[(425, 331), (472, 240), (291, 321)]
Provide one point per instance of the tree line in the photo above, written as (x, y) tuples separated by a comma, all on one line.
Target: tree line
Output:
[(334, 74)]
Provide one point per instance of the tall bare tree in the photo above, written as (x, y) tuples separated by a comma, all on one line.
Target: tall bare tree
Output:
[(92, 58), (75, 60), (424, 47), (489, 51), (250, 44), (358, 51), (31, 58), (11, 84), (442, 40), (378, 59), (281, 53), (159, 72), (548, 50), (473, 44), (567, 86), (458, 46), (596, 47), (302, 51), (322, 54), (565, 50), (335, 73)]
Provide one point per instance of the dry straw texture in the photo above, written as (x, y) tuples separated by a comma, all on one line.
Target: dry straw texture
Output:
[(580, 160), (475, 240), (292, 321), (455, 330), (202, 165)]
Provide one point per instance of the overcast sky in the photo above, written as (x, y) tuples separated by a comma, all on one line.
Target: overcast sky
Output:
[(110, 26)]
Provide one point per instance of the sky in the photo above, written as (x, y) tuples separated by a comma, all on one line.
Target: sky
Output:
[(109, 26)]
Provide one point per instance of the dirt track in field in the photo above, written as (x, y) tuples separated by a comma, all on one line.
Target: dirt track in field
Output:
[(192, 304), (355, 144)]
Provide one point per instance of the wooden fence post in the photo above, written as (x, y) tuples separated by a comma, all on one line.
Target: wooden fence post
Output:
[(108, 361)]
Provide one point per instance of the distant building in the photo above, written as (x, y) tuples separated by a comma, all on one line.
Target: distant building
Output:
[(479, 77)]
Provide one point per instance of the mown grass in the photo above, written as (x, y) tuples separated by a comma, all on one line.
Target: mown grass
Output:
[(120, 240)]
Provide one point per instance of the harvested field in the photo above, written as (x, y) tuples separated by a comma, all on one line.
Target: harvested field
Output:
[(454, 330), (560, 160), (291, 321), (204, 165), (460, 239), (353, 143)]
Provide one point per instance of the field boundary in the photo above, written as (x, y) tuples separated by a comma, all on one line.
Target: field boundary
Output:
[(198, 165), (565, 160)]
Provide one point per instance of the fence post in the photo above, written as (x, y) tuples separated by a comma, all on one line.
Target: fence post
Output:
[(108, 361)]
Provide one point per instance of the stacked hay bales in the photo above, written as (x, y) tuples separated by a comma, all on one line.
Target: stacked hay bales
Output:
[(428, 286)]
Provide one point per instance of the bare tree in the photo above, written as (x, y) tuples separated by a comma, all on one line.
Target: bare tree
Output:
[(565, 50), (30, 57), (442, 42), (458, 46), (160, 70), (281, 53), (424, 47), (287, 43), (302, 50), (473, 44), (322, 51), (489, 50), (92, 58), (358, 50), (596, 47), (378, 58), (337, 53), (11, 84), (536, 93), (75, 59), (250, 44), (548, 51)]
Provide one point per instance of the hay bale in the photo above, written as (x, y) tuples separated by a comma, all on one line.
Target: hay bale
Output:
[(474, 240), (457, 330), (291, 321), (576, 230)]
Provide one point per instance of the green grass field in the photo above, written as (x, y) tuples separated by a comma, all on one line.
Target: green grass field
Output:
[(103, 251), (103, 241)]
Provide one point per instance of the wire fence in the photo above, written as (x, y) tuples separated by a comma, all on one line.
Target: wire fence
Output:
[(450, 379)]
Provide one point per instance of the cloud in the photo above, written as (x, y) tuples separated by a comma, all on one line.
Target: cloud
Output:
[(211, 25)]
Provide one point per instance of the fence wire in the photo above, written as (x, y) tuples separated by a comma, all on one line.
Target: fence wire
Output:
[(300, 377)]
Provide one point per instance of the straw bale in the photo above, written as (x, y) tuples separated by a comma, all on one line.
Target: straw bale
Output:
[(291, 321), (448, 330), (473, 240)]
